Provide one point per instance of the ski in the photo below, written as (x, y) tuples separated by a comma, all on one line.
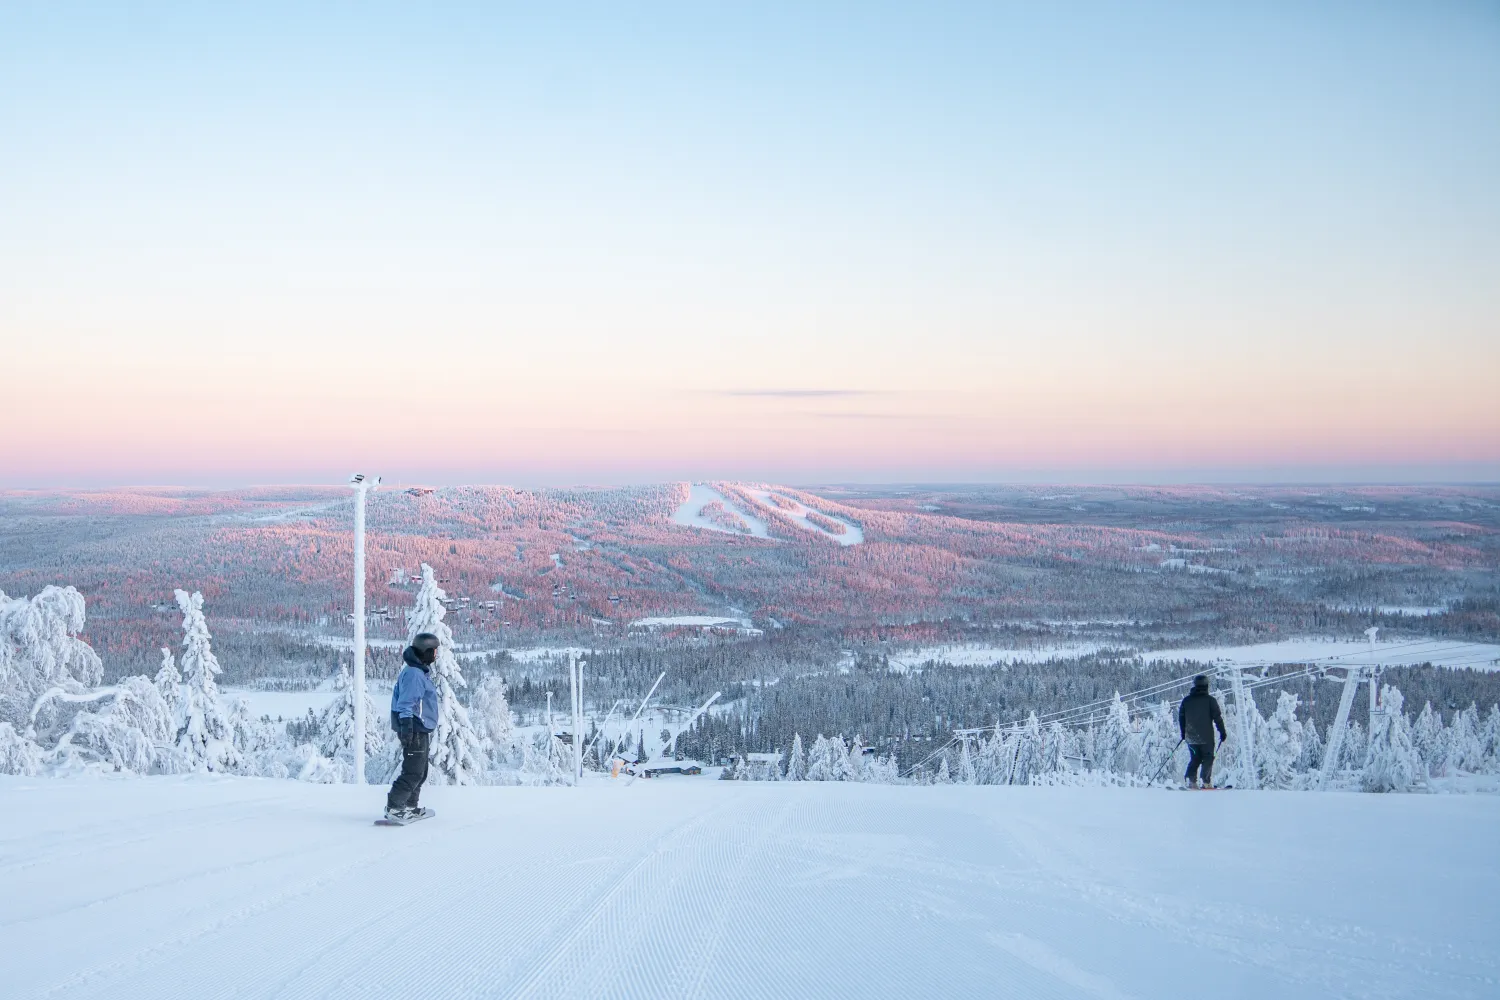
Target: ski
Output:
[(425, 814)]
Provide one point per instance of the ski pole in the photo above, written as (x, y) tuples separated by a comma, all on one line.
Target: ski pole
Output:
[(1164, 763)]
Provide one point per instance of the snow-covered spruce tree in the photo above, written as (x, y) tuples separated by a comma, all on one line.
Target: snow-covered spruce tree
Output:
[(966, 773), (206, 734), (18, 755), (829, 760), (336, 730), (796, 763), (1490, 741), (40, 650), (457, 751), (943, 777), (1029, 751), (169, 686), (1427, 737), (1054, 746), (1115, 746), (489, 710), (1392, 764), (1279, 744), (995, 757), (1312, 748), (1465, 746), (1355, 751), (855, 769)]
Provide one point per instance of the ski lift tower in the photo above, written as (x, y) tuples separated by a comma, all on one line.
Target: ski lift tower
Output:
[(1352, 675), (1246, 749), (362, 485)]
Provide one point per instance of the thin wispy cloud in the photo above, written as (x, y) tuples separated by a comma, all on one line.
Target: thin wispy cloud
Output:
[(844, 415), (803, 393)]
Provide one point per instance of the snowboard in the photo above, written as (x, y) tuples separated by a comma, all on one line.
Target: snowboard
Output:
[(426, 814), (1216, 788)]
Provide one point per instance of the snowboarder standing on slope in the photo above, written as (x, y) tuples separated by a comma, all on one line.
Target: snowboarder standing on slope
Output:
[(1196, 718), (414, 715)]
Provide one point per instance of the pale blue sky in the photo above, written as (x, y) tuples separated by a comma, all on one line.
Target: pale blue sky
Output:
[(1041, 239)]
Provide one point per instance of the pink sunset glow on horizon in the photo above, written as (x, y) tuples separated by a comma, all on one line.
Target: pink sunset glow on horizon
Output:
[(899, 258)]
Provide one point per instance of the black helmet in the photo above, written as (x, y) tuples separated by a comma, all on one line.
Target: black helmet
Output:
[(425, 645), (1200, 683)]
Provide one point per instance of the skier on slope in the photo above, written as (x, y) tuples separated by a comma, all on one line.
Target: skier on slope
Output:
[(414, 715), (1196, 718)]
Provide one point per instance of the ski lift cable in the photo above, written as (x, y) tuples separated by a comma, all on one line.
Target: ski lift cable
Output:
[(1082, 714), (1134, 696), (951, 740)]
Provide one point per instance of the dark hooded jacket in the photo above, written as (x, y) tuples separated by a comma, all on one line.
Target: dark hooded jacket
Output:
[(1199, 715)]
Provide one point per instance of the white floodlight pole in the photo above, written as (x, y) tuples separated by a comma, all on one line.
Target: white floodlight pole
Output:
[(362, 485), (1374, 677)]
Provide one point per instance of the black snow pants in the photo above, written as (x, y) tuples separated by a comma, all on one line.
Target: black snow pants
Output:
[(1201, 759), (415, 742)]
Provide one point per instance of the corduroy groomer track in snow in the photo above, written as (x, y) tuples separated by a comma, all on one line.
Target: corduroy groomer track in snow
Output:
[(228, 887)]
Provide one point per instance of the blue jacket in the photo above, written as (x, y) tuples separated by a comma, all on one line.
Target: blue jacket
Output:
[(414, 695)]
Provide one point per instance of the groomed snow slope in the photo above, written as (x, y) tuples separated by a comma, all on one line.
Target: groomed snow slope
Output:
[(690, 888), (688, 514)]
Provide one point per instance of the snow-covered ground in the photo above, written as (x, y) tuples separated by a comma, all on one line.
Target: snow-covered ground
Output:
[(698, 495), (853, 534), (964, 655), (190, 887), (1335, 652), (295, 704), (739, 624)]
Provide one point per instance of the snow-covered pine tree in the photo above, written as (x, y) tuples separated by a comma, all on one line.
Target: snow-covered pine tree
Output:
[(457, 751), (1392, 764), (796, 764), (205, 736), (169, 686), (336, 729), (131, 728), (943, 777)]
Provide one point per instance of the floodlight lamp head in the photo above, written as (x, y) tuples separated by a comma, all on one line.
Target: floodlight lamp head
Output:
[(361, 481)]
